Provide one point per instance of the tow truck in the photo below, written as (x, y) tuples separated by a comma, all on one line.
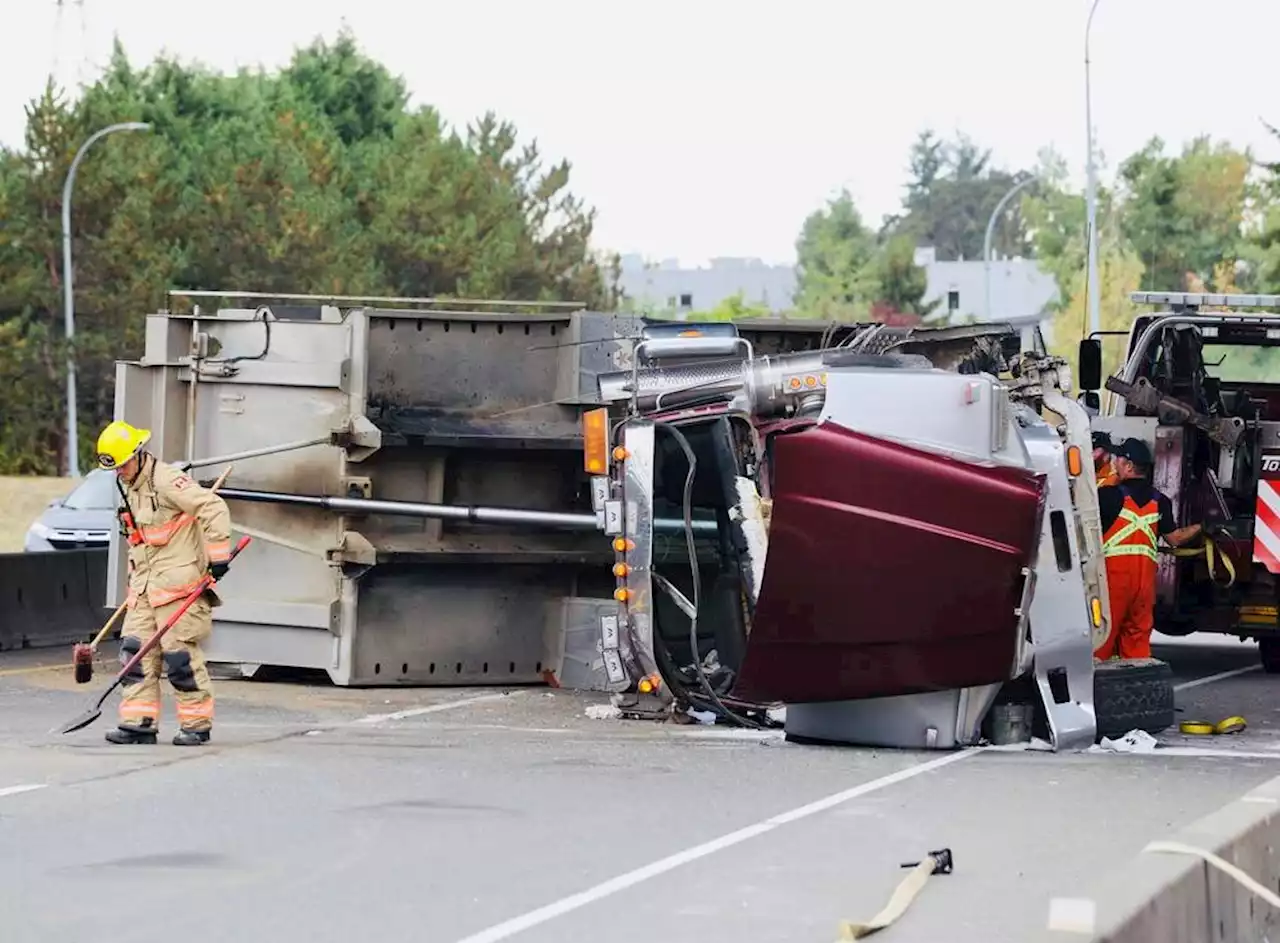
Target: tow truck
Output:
[(1200, 384), (906, 549)]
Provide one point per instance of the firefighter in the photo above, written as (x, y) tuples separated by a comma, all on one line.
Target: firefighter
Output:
[(1102, 467), (1134, 516), (177, 531)]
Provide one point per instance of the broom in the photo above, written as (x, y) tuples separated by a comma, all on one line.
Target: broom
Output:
[(82, 654)]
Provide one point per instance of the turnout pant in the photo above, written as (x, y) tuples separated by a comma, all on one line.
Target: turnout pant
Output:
[(180, 657)]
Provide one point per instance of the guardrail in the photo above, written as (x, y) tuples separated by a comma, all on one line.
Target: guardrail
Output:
[(50, 599), (1171, 893)]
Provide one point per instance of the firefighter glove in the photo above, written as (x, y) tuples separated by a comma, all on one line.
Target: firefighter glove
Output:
[(218, 570)]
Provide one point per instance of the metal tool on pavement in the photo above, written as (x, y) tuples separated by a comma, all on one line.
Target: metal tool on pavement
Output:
[(938, 862), (82, 654), (89, 716)]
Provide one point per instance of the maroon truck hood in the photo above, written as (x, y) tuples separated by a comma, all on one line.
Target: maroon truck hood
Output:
[(890, 570)]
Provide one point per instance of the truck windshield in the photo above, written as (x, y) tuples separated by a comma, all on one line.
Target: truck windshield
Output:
[(1242, 364)]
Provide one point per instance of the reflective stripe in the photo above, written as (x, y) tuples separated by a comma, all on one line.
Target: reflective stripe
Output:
[(137, 710), (1136, 523), (1133, 533), (201, 710), (159, 535), (1133, 550), (219, 551), (161, 597)]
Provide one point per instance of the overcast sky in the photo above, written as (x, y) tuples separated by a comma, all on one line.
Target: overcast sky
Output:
[(708, 128)]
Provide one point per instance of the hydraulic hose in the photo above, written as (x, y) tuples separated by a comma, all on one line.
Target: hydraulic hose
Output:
[(687, 503)]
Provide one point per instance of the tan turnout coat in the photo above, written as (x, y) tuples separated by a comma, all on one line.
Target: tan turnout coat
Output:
[(177, 530)]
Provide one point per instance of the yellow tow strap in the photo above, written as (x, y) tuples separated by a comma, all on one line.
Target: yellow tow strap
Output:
[(1203, 728), (1211, 553), (938, 862)]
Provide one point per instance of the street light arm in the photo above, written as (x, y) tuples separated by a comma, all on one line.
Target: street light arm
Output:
[(68, 274), (986, 240), (995, 214), (80, 155), (1087, 27)]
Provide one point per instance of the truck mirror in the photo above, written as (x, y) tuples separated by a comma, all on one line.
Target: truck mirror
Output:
[(1090, 364)]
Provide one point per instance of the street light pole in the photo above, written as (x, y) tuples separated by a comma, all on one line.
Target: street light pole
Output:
[(1092, 289), (68, 298), (986, 241)]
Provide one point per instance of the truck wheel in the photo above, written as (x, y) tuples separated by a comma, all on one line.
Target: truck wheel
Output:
[(1269, 654), (1132, 694)]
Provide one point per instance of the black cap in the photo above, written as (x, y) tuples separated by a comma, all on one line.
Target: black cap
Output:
[(1136, 451), (1102, 440)]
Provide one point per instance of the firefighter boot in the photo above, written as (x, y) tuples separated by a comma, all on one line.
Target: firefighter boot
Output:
[(191, 738), (142, 732)]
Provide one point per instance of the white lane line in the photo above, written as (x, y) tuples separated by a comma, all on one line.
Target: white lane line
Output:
[(533, 918), (15, 790), (1211, 752), (1220, 676), (436, 708)]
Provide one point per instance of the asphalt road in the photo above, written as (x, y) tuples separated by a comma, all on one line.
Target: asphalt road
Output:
[(470, 816)]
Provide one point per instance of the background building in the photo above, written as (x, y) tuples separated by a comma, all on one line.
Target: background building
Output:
[(1020, 291), (666, 285)]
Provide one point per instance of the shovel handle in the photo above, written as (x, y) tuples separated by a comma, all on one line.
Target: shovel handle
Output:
[(93, 646), (195, 594)]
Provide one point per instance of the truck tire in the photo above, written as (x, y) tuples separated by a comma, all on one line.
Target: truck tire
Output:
[(1132, 694)]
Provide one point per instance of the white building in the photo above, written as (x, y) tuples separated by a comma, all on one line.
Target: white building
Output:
[(1020, 291), (667, 285)]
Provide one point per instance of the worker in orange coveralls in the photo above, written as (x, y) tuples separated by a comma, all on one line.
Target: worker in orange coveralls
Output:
[(1102, 467), (1134, 516)]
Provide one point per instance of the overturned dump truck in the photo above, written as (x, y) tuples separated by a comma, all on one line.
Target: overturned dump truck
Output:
[(903, 542), (861, 522)]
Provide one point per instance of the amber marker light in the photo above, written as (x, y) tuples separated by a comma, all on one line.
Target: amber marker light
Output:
[(1075, 464), (595, 441)]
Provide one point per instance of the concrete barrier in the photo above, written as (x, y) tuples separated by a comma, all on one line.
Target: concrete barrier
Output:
[(1182, 898), (50, 599)]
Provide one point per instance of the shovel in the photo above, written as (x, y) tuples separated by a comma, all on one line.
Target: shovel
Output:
[(93, 713)]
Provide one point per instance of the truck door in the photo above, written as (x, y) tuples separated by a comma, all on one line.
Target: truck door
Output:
[(890, 570)]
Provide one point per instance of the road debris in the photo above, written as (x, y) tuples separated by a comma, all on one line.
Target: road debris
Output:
[(938, 862), (1135, 741), (1204, 728)]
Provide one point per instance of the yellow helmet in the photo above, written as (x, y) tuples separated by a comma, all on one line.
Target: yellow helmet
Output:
[(120, 442)]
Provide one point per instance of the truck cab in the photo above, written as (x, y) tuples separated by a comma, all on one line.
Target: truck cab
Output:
[(1200, 384), (891, 535)]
